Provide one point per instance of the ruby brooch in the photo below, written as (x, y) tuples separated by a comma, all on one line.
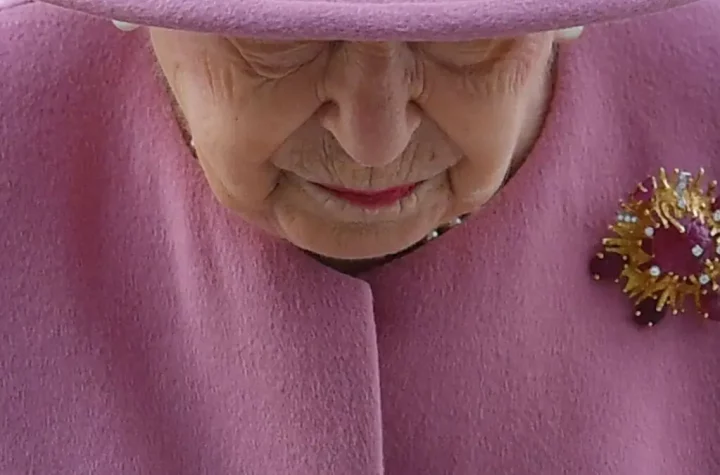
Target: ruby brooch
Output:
[(664, 248)]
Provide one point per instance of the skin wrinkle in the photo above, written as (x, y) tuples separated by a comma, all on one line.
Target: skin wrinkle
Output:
[(374, 83), (321, 120), (284, 58), (404, 162)]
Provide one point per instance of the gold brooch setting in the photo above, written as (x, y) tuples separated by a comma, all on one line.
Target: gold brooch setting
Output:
[(664, 247)]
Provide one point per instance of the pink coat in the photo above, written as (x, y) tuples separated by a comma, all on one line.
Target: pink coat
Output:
[(144, 329)]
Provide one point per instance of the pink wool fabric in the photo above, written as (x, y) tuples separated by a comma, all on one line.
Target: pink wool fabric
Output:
[(368, 19), (145, 329)]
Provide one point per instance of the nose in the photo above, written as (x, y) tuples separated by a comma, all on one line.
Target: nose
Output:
[(369, 88)]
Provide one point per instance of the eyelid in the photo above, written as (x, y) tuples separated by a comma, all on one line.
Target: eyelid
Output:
[(274, 60), (285, 51), (465, 55)]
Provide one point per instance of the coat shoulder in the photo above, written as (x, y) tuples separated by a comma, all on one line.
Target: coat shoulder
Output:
[(54, 62), (679, 48)]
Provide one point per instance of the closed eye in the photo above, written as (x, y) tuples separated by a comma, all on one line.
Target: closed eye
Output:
[(276, 59), (465, 55)]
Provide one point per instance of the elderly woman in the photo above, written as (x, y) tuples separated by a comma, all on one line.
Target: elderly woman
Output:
[(354, 238)]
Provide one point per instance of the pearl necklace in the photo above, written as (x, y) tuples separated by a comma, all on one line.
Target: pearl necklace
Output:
[(437, 232)]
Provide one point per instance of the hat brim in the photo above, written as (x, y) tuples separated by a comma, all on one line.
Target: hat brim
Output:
[(370, 20)]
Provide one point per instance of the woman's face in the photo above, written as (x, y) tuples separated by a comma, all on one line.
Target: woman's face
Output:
[(356, 150)]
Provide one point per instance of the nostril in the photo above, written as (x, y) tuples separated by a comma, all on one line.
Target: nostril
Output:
[(327, 114), (414, 114), (326, 107)]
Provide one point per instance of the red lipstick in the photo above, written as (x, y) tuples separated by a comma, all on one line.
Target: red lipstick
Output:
[(371, 199)]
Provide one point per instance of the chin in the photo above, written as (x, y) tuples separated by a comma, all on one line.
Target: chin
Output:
[(355, 242), (347, 233), (355, 248)]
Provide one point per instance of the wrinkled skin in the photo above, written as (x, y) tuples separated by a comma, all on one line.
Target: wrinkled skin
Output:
[(269, 118)]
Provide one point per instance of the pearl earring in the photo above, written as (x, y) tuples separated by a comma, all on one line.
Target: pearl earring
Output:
[(124, 26), (570, 34)]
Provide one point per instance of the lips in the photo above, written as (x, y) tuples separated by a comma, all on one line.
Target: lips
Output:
[(371, 199)]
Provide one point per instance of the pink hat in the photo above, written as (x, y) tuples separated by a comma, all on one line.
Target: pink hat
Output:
[(368, 19)]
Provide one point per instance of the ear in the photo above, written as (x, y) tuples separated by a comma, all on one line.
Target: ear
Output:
[(123, 26), (569, 34)]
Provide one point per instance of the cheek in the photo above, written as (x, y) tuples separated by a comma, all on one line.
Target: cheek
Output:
[(195, 84), (237, 123), (483, 112), (240, 118), (485, 117), (482, 121)]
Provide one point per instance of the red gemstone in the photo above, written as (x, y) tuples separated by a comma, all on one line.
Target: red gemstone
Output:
[(647, 314), (645, 190), (647, 246), (710, 305), (607, 266), (677, 252)]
